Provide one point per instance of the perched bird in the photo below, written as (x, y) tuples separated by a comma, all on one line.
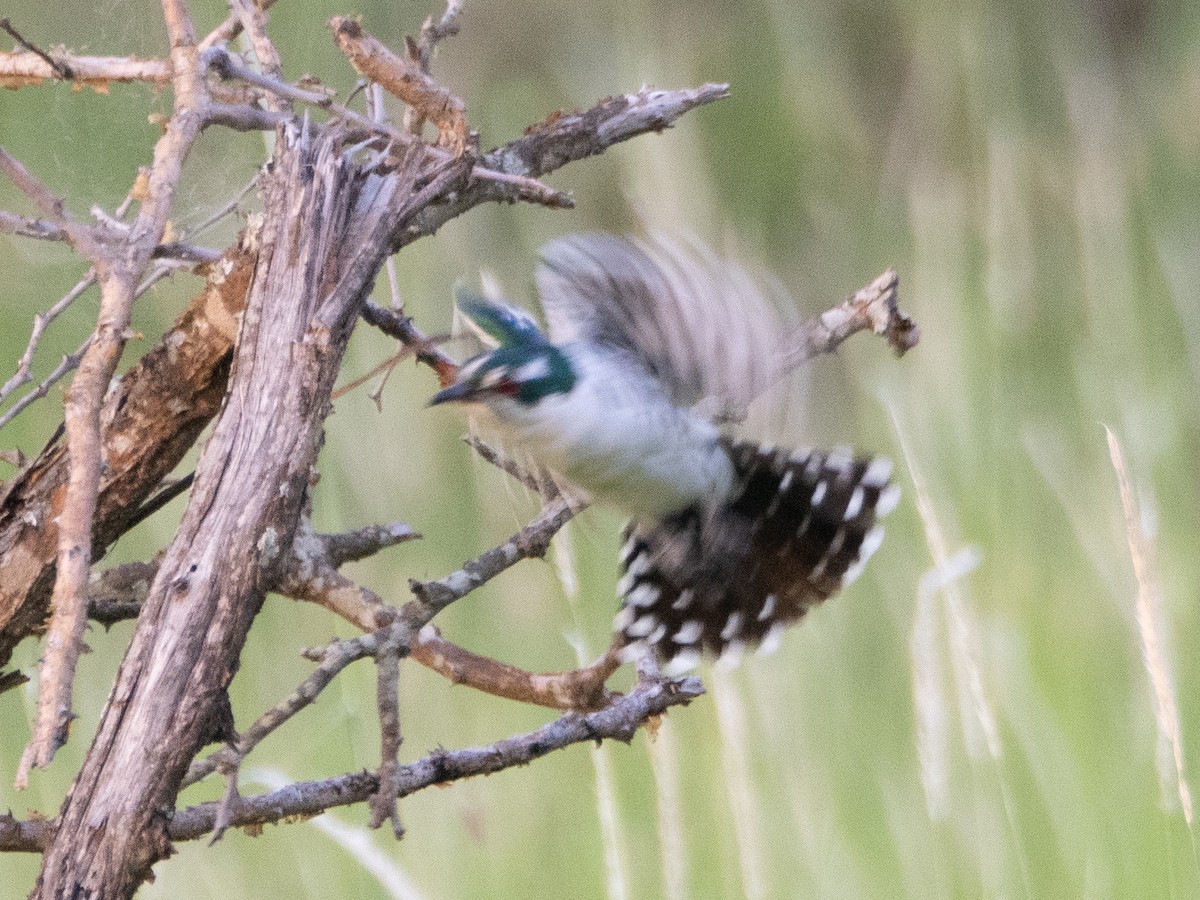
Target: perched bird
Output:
[(650, 348)]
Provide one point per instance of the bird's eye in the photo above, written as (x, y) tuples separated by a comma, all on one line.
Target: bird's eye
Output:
[(508, 387)]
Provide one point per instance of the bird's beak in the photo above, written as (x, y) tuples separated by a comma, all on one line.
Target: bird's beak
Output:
[(459, 392)]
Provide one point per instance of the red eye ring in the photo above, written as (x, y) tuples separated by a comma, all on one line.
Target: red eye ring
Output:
[(508, 387)]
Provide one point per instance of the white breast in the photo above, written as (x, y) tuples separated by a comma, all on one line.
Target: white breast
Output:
[(617, 436)]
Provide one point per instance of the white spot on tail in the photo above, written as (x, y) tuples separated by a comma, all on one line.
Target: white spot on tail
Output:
[(818, 571), (773, 639), (632, 652), (888, 500), (689, 632), (819, 493), (684, 600), (853, 571), (640, 564), (812, 468), (768, 609), (786, 481), (732, 654), (839, 459), (803, 525), (683, 661), (642, 626), (877, 473), (839, 538), (644, 595), (854, 506), (626, 583), (622, 619), (732, 625), (870, 542)]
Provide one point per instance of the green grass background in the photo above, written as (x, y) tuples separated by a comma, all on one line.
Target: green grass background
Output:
[(1033, 172)]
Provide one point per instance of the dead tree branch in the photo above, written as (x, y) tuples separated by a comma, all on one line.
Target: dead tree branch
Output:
[(320, 215), (874, 307), (118, 273), (620, 720), (532, 540)]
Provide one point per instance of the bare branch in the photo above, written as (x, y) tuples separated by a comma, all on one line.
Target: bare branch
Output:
[(383, 802), (433, 34), (566, 137), (538, 481), (22, 69), (333, 659), (59, 68), (118, 274), (532, 540), (620, 720), (51, 205), (399, 326), (517, 187), (230, 28), (349, 546), (40, 322), (580, 689), (874, 307), (406, 79), (254, 21)]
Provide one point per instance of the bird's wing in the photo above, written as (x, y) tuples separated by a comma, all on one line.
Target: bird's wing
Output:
[(699, 324)]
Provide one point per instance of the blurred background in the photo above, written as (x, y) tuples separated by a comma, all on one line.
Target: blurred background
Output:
[(974, 717)]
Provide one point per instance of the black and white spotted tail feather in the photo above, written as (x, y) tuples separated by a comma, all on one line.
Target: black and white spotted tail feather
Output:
[(717, 581)]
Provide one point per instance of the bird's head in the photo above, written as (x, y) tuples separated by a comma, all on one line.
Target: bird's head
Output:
[(524, 368)]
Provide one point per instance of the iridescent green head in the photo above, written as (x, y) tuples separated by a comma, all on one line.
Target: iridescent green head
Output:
[(525, 367)]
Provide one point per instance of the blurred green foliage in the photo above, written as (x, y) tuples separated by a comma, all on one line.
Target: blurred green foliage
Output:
[(1033, 172)]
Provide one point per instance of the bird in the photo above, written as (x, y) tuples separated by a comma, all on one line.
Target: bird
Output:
[(653, 352)]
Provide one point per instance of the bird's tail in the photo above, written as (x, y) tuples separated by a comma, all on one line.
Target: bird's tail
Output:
[(795, 529)]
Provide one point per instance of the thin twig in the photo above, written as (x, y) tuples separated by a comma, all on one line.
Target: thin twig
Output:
[(40, 322), (532, 540), (399, 326), (383, 803), (538, 481), (350, 546), (566, 137), (230, 28), (20, 69), (333, 659), (61, 69), (67, 364), (254, 23), (433, 34)]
